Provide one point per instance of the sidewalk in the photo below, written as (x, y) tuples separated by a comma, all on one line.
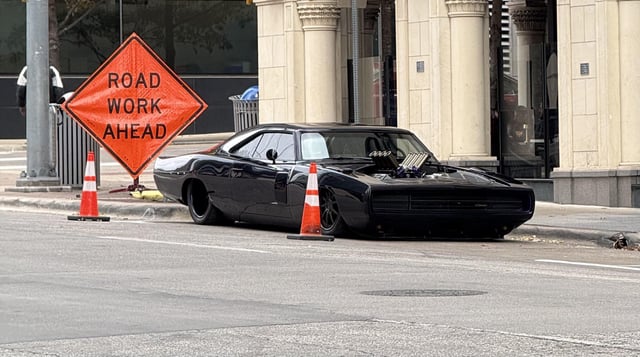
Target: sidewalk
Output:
[(550, 220)]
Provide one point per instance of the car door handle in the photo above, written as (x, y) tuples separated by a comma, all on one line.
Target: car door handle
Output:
[(235, 172)]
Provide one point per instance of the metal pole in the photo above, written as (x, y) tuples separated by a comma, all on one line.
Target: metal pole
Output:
[(38, 135), (120, 4), (356, 46)]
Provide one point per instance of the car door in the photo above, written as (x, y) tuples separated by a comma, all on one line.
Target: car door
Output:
[(258, 182)]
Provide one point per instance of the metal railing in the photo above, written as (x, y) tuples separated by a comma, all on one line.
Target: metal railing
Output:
[(73, 144), (245, 113)]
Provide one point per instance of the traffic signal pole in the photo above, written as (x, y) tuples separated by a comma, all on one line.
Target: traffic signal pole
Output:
[(356, 59), (40, 170)]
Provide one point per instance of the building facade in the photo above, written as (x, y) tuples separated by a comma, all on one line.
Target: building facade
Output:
[(565, 119), (552, 104)]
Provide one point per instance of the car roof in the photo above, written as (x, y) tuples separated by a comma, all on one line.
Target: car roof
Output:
[(329, 126), (248, 133)]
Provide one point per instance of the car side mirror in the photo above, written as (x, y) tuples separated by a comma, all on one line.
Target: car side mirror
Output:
[(272, 155)]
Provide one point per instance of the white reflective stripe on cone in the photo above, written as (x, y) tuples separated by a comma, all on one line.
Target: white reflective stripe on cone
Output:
[(91, 169), (312, 200), (312, 183), (89, 186)]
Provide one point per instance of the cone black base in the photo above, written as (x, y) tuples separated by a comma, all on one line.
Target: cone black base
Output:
[(310, 237), (89, 218)]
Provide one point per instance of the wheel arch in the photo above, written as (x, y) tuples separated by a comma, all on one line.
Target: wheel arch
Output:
[(185, 188), (351, 199)]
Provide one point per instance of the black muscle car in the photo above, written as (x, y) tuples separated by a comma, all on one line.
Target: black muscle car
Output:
[(372, 181)]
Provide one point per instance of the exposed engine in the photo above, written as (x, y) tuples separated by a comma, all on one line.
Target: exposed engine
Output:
[(410, 167), (423, 165)]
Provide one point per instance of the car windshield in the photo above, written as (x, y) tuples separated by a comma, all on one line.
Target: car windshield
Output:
[(352, 145)]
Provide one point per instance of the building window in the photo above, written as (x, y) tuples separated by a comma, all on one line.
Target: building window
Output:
[(193, 37)]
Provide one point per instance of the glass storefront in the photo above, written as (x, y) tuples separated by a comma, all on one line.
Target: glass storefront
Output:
[(528, 120), (211, 44), (193, 37)]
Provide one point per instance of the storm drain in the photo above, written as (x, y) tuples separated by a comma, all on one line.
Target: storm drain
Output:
[(424, 293)]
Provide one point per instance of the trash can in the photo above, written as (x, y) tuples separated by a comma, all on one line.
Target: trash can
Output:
[(245, 109), (73, 144)]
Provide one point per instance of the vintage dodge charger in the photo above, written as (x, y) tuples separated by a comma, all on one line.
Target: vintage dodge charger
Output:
[(372, 181)]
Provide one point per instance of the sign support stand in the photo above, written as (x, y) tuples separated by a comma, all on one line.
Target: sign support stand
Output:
[(136, 186)]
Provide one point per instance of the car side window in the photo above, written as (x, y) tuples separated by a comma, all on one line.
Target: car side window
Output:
[(257, 147)]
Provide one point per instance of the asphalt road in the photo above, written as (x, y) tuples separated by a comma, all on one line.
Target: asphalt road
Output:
[(153, 288)]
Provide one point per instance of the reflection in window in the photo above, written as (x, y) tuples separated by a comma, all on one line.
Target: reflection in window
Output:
[(313, 147), (350, 144), (191, 36), (257, 148)]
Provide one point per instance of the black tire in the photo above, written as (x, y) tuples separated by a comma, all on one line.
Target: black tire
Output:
[(330, 217), (200, 207)]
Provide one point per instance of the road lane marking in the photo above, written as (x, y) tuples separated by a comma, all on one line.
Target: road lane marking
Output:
[(622, 267), (193, 245), (22, 159), (7, 159), (24, 166), (12, 168), (518, 334)]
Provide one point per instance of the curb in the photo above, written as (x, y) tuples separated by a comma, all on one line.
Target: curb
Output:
[(133, 210), (141, 210), (601, 237)]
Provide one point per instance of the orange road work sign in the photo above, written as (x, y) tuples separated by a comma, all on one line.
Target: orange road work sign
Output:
[(134, 105)]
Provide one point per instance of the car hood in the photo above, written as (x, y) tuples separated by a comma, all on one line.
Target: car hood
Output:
[(431, 174)]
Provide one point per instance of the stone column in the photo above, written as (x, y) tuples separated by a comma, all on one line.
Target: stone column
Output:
[(319, 22), (529, 17), (470, 86)]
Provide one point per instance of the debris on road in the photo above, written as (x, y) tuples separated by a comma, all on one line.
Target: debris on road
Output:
[(620, 241)]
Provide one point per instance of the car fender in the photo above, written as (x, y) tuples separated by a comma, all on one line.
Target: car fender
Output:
[(351, 193)]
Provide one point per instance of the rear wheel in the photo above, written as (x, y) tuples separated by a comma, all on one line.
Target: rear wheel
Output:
[(330, 216), (200, 207)]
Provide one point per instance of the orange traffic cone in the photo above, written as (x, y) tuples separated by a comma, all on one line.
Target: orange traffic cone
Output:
[(310, 229), (89, 200)]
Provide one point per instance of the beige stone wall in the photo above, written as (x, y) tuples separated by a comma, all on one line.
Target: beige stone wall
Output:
[(629, 20), (581, 129), (300, 60), (280, 61), (443, 77), (422, 39), (599, 110)]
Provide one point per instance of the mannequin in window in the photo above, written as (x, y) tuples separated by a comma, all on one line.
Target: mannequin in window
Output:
[(56, 89)]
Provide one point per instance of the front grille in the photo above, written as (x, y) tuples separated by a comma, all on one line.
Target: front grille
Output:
[(451, 200)]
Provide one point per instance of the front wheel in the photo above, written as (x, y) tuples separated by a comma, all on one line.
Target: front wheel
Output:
[(200, 207), (330, 217)]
